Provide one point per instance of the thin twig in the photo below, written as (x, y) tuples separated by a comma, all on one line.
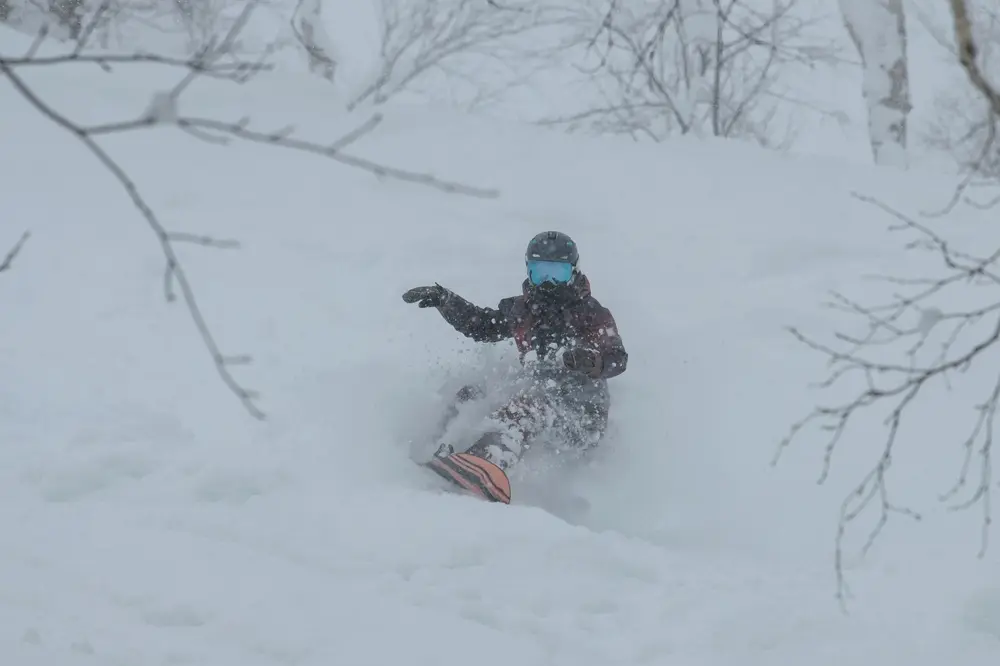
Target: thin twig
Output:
[(230, 71), (88, 30), (896, 386), (207, 241), (163, 110), (8, 260), (281, 138), (36, 44), (174, 270)]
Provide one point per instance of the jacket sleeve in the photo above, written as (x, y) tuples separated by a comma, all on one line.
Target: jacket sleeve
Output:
[(603, 337), (480, 324)]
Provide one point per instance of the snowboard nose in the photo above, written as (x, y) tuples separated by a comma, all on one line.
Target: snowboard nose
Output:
[(474, 474)]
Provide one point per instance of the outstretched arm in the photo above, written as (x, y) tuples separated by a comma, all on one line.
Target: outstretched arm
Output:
[(480, 324)]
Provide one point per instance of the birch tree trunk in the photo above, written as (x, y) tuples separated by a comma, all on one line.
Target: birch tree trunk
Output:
[(307, 23), (878, 29)]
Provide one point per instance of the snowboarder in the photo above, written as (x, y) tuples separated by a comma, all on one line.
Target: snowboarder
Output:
[(575, 341)]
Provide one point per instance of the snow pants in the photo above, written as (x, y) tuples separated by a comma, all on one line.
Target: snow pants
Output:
[(566, 417)]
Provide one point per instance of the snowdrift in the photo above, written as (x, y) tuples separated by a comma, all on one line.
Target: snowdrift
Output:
[(146, 518)]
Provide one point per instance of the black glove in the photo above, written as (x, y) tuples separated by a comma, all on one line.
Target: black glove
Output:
[(587, 361), (427, 297)]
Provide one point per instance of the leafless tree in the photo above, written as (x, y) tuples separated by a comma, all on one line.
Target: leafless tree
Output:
[(707, 67), (918, 337), (163, 110), (193, 22), (878, 30), (967, 123), (420, 37)]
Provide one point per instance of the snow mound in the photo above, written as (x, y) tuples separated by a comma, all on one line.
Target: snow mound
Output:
[(147, 519)]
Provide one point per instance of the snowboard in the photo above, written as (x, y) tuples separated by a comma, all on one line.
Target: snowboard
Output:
[(474, 475)]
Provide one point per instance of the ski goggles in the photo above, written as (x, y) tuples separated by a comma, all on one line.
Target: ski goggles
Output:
[(560, 272)]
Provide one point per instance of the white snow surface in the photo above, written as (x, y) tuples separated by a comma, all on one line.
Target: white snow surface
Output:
[(147, 519)]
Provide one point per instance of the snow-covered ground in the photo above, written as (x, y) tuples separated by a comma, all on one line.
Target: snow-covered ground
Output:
[(147, 519)]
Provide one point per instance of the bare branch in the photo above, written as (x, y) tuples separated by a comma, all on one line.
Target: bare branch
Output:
[(206, 241), (43, 32), (175, 270), (419, 38), (8, 260), (894, 386), (507, 8), (88, 29), (967, 51), (968, 114), (281, 138), (708, 67), (357, 133), (228, 71), (163, 110)]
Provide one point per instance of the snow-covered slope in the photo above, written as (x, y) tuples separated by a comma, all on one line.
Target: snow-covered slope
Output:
[(146, 519)]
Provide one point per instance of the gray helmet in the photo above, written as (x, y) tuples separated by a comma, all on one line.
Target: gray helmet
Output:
[(551, 259), (552, 246)]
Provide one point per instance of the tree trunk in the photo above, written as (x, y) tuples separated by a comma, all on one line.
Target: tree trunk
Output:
[(878, 29), (307, 23), (967, 52)]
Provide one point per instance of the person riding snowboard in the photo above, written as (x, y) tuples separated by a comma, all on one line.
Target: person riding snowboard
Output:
[(575, 341)]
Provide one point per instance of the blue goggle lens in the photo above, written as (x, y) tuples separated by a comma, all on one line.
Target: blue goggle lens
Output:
[(560, 272)]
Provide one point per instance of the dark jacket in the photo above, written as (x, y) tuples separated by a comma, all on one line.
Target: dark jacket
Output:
[(543, 326)]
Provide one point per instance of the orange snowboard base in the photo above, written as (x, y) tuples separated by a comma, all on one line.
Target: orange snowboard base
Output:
[(476, 475)]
